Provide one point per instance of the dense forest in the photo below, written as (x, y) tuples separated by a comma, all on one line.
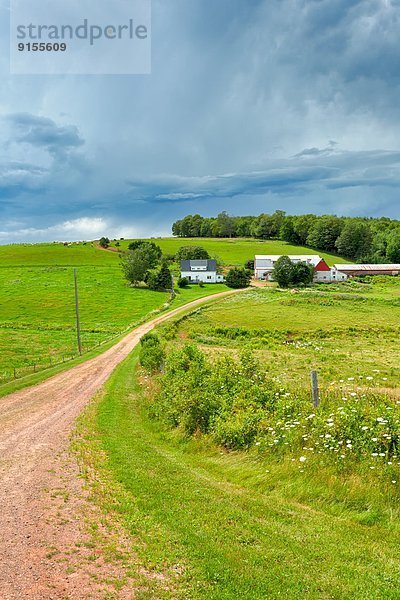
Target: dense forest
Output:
[(360, 239)]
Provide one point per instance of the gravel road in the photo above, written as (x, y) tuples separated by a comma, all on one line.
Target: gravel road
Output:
[(41, 528)]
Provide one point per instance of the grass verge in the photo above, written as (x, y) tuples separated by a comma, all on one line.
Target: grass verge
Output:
[(206, 523)]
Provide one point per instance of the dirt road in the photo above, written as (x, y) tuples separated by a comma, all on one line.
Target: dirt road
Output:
[(42, 549)]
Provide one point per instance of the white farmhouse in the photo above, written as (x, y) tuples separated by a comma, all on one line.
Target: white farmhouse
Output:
[(201, 270)]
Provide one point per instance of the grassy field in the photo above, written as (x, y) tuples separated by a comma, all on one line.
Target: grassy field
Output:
[(342, 331), (235, 252), (37, 319), (37, 314), (309, 507), (204, 523)]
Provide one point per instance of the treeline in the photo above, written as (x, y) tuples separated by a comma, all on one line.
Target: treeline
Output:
[(360, 239)]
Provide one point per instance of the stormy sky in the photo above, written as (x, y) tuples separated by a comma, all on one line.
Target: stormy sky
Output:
[(251, 106)]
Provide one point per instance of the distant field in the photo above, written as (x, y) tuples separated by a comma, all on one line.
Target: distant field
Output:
[(342, 335), (237, 251), (55, 254), (37, 319), (37, 315)]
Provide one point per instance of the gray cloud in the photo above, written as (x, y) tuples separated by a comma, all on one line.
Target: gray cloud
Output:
[(240, 113), (44, 133)]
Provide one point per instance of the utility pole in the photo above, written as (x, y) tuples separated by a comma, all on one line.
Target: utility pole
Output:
[(78, 321)]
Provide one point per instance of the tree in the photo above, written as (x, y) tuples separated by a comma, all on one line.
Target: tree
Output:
[(249, 264), (287, 231), (191, 253), (154, 250), (268, 226), (104, 242), (283, 271), (302, 226), (325, 232), (355, 241), (288, 273), (226, 225), (136, 263), (244, 225), (162, 280), (238, 278), (302, 274), (393, 246)]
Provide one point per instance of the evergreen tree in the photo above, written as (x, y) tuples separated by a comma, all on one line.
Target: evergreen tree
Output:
[(238, 278)]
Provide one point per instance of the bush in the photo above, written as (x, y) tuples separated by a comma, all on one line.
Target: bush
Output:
[(151, 247), (249, 265), (287, 273), (104, 242), (238, 278), (183, 282), (152, 355), (191, 253), (160, 281)]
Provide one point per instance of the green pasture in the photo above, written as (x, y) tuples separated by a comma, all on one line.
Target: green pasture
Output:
[(237, 251), (205, 523), (37, 318), (37, 314), (350, 338), (56, 254)]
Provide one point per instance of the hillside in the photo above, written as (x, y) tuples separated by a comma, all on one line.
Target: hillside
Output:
[(229, 481), (235, 252), (37, 318)]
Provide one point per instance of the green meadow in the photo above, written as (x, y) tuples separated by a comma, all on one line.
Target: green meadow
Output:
[(268, 497), (37, 315), (236, 251), (343, 331)]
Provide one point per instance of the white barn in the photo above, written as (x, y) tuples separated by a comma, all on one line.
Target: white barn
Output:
[(264, 265), (201, 270)]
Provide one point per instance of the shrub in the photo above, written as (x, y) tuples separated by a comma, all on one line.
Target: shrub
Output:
[(104, 242), (152, 355), (191, 253), (238, 278), (151, 247), (239, 406), (160, 281), (183, 282)]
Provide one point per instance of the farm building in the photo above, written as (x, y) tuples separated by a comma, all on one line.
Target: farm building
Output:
[(359, 270), (264, 265), (201, 270)]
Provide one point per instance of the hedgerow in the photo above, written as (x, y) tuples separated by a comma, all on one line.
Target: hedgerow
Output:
[(239, 406)]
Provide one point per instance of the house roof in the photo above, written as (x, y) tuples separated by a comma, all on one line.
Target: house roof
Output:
[(367, 267), (204, 265)]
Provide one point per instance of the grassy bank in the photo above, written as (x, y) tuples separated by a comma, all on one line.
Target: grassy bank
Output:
[(206, 523)]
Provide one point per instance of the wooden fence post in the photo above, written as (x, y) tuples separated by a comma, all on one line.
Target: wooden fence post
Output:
[(314, 388)]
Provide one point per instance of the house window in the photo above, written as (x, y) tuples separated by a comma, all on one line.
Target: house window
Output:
[(208, 276)]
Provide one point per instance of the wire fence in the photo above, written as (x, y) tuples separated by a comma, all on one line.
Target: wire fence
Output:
[(45, 363)]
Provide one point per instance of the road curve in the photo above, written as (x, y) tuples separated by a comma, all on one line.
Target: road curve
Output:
[(35, 424)]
